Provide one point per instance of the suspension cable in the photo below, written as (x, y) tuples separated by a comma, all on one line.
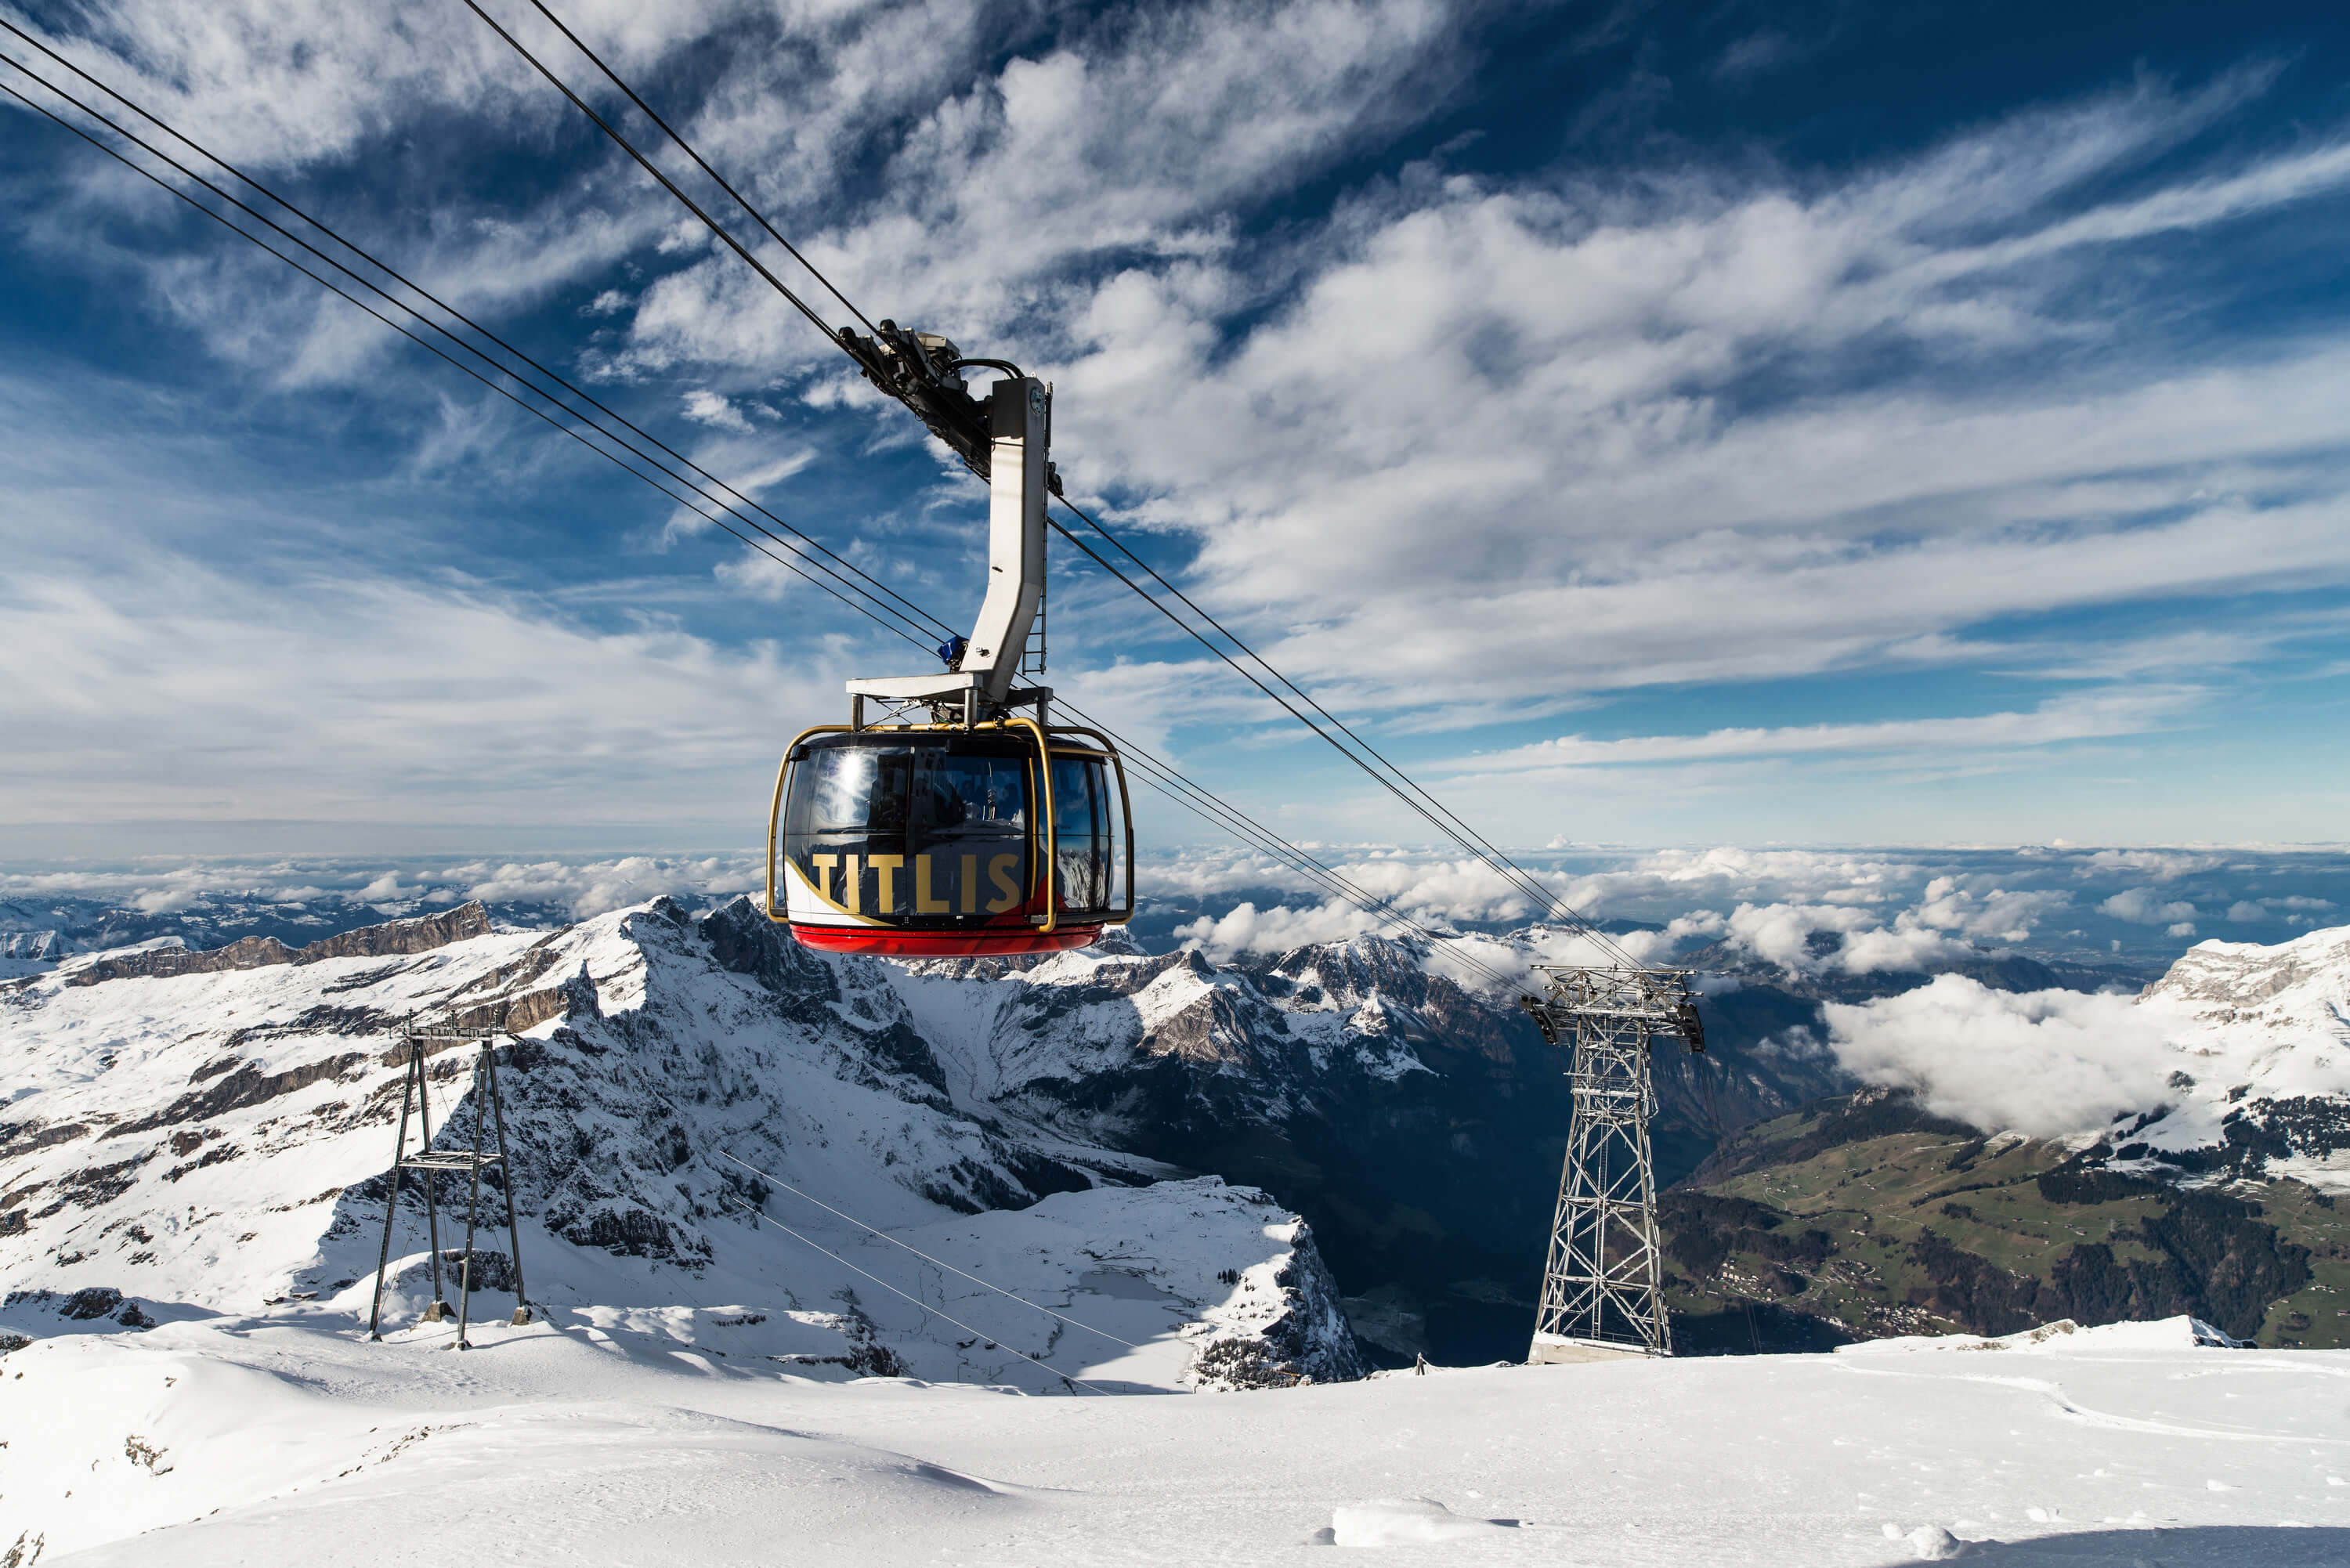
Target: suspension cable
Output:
[(757, 216), (908, 1246), (1432, 812), (765, 1219), (1492, 856), (1542, 900), (938, 628), (1167, 781), (789, 564), (1161, 775), (710, 222)]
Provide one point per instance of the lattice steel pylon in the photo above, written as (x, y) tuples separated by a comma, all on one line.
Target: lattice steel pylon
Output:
[(429, 1163), (1603, 1290)]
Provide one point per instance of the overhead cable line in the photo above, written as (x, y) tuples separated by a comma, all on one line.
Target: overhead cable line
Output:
[(1170, 781), (867, 584), (765, 1219), (757, 216), (789, 564), (712, 224), (1492, 858), (1408, 792), (934, 1262), (1525, 885), (1163, 778), (1264, 839)]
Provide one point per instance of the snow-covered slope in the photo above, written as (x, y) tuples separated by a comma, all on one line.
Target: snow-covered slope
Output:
[(207, 1133), (240, 1440)]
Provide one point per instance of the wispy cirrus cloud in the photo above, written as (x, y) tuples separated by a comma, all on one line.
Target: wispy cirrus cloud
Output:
[(2084, 717)]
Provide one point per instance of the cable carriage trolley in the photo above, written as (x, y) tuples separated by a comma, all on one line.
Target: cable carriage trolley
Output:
[(961, 821)]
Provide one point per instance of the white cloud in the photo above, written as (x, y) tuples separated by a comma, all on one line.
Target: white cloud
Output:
[(365, 700), (1997, 913), (2145, 906), (594, 886), (577, 886), (2162, 865), (706, 407), (2042, 1063), (1782, 933), (2058, 720), (1248, 929)]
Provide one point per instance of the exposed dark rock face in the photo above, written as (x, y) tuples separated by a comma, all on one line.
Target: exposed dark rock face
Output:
[(629, 1232), (1308, 1343), (25, 1138), (394, 938), (88, 1305), (247, 1085)]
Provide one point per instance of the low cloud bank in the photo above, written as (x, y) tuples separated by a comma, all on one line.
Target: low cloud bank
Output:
[(576, 889), (2045, 1063), (1812, 912)]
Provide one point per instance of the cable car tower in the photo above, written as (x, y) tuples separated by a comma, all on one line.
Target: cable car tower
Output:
[(977, 827), (1603, 1291)]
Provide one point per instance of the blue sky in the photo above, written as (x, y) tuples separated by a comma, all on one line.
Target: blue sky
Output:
[(1655, 424)]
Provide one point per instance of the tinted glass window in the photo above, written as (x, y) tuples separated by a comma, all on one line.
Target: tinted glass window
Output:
[(832, 791), (972, 797), (1083, 810), (916, 834)]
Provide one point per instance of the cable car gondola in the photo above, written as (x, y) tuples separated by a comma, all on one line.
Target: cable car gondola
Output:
[(978, 828), (930, 840)]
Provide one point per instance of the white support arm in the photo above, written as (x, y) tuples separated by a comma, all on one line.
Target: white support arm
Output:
[(1020, 446)]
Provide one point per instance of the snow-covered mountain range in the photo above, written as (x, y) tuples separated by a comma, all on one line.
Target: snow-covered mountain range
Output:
[(1416, 1123), (2234, 1063), (2263, 1086), (204, 1131)]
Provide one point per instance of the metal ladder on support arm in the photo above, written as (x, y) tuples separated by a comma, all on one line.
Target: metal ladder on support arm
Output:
[(429, 1163)]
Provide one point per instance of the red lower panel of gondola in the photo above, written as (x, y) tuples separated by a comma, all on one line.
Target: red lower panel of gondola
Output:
[(1006, 943)]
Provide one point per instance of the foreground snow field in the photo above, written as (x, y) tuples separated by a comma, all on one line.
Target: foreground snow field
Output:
[(229, 1441)]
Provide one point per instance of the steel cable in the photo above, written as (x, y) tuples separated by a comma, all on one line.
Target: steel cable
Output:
[(1163, 777), (757, 216), (765, 1219), (698, 494), (1434, 812), (1490, 857), (710, 222), (934, 1262), (868, 583)]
